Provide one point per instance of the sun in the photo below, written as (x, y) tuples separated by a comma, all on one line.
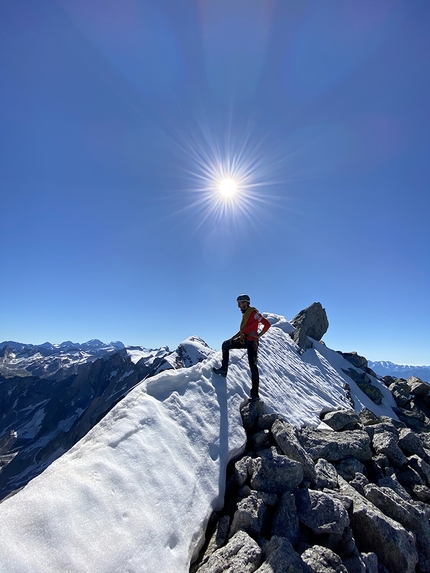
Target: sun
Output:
[(228, 188)]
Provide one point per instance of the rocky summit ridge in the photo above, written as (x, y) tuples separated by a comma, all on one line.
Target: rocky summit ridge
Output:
[(343, 485)]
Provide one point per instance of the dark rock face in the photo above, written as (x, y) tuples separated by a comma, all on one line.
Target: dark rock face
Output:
[(360, 502), (313, 322)]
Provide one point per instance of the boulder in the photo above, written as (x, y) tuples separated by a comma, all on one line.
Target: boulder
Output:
[(326, 475), (410, 442), (358, 482), (251, 413), (275, 473), (321, 512), (417, 387), (242, 470), (400, 391), (336, 446), (385, 442), (368, 418), (285, 520), (420, 466), (281, 558), (390, 503), (341, 420), (365, 384), (249, 515), (349, 467), (375, 532), (241, 553), (323, 560), (313, 322), (413, 418), (422, 493), (286, 437), (355, 359)]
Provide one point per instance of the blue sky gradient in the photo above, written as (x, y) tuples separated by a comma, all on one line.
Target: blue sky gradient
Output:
[(118, 118)]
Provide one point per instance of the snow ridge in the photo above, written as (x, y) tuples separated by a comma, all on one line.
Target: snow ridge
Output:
[(135, 494)]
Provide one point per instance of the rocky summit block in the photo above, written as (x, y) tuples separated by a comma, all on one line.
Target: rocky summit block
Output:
[(311, 321), (336, 446)]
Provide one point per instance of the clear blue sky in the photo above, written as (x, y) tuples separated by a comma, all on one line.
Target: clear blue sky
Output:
[(119, 117)]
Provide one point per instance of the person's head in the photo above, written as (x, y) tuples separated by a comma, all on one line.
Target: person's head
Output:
[(243, 302)]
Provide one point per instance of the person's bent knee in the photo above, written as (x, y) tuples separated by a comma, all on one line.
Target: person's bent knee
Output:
[(225, 344)]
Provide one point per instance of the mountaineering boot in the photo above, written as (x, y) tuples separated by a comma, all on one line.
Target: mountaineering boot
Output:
[(220, 371)]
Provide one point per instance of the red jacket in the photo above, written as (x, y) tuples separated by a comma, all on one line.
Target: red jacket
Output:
[(252, 324)]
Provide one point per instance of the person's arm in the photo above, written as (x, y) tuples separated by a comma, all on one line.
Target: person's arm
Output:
[(266, 325)]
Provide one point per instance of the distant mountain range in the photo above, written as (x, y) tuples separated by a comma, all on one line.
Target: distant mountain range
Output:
[(51, 395), (385, 368)]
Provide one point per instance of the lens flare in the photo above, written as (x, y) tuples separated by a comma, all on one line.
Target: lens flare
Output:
[(228, 188), (228, 178)]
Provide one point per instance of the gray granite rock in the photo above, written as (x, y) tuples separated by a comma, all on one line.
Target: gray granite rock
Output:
[(321, 512), (241, 554)]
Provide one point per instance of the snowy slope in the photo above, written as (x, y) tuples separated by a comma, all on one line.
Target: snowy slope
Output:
[(136, 492)]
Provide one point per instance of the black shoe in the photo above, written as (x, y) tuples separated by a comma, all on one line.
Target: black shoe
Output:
[(254, 397), (220, 371)]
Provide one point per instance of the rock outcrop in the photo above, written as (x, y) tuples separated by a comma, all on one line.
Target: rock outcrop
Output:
[(311, 321), (354, 499)]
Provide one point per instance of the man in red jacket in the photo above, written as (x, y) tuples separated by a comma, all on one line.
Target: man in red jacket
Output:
[(247, 337)]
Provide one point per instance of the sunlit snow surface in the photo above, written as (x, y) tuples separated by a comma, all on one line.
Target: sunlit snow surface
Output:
[(135, 494)]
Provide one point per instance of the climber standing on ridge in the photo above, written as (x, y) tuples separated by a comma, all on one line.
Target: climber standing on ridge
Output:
[(247, 337)]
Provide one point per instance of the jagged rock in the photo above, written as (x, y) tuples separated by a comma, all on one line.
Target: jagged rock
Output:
[(375, 532), (249, 515), (365, 384), (281, 558), (341, 420), (336, 446), (367, 417), (400, 391), (410, 443), (242, 470), (409, 478), (394, 506), (420, 466), (417, 387), (266, 421), (355, 563), (385, 442), (218, 538), (349, 467), (313, 322), (392, 483), (388, 380), (259, 440), (422, 493), (358, 482), (414, 419), (321, 512), (370, 561), (326, 475), (275, 473), (322, 560), (286, 437), (355, 359), (241, 553), (251, 413), (285, 521), (408, 515)]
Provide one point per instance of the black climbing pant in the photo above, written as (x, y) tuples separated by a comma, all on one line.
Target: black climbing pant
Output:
[(251, 347)]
